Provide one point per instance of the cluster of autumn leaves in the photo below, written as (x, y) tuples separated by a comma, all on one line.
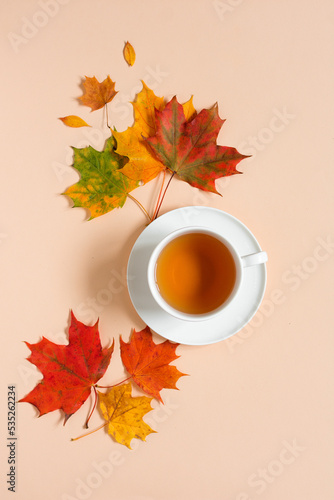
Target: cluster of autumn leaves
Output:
[(71, 372), (166, 137)]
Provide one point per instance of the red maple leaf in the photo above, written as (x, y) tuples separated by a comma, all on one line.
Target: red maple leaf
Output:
[(148, 363), (69, 371), (189, 149)]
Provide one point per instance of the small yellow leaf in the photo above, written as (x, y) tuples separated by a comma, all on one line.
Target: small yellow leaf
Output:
[(74, 121), (129, 54), (124, 414)]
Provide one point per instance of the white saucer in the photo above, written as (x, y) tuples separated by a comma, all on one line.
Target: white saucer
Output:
[(230, 320)]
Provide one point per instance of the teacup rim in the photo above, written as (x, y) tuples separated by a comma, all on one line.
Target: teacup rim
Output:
[(151, 274)]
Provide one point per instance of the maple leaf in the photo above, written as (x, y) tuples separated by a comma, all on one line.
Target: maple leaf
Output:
[(97, 94), (148, 363), (74, 121), (129, 54), (102, 186), (144, 110), (189, 149), (142, 165), (69, 371), (124, 414)]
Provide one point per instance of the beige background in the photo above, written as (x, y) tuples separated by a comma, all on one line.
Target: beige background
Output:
[(255, 417)]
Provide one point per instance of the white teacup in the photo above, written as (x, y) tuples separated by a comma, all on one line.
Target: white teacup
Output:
[(240, 262)]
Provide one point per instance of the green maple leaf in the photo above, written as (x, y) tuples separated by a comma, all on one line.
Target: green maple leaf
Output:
[(102, 186)]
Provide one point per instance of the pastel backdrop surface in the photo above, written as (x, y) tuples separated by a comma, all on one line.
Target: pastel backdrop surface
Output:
[(255, 417)]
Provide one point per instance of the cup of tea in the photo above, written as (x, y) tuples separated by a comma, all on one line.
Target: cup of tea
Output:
[(194, 273)]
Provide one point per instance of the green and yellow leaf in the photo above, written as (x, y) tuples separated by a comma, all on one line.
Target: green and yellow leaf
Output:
[(102, 186)]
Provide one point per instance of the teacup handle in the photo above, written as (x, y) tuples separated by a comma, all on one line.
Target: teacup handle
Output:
[(254, 258)]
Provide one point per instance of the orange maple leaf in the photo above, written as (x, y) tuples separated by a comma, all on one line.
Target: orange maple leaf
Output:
[(148, 363), (97, 94)]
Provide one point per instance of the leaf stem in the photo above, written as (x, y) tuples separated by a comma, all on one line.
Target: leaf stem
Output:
[(106, 105), (162, 199), (93, 408), (141, 206), (114, 385), (91, 432), (160, 192)]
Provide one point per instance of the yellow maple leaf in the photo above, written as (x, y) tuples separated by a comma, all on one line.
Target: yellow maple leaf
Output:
[(129, 54), (144, 110), (143, 165), (124, 414), (97, 94), (189, 110)]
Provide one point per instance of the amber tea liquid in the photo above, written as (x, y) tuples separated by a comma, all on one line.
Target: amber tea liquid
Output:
[(195, 273)]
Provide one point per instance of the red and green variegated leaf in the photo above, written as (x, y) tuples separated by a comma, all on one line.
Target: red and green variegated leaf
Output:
[(170, 142), (189, 149), (220, 161), (204, 129)]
